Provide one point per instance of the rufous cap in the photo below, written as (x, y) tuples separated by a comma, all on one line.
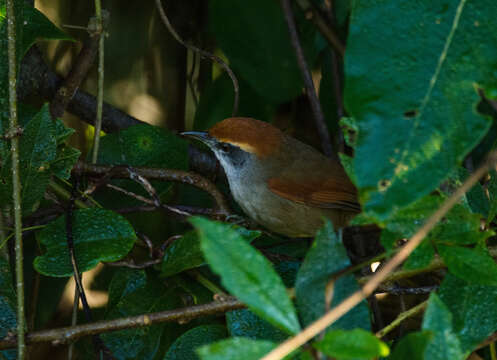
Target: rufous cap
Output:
[(251, 135)]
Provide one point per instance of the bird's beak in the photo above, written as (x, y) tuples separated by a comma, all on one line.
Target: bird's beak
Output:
[(200, 136)]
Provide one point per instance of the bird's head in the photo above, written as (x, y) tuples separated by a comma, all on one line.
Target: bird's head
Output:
[(234, 140)]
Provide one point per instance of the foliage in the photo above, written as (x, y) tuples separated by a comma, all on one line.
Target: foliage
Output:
[(415, 99)]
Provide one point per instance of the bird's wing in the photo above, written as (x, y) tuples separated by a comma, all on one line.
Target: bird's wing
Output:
[(336, 193)]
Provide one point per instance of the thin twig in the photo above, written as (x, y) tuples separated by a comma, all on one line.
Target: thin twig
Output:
[(203, 53), (76, 75), (368, 288), (402, 316), (68, 334), (16, 181), (159, 174), (327, 31), (324, 135), (100, 91)]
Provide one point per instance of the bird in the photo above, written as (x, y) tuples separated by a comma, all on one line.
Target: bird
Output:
[(280, 182)]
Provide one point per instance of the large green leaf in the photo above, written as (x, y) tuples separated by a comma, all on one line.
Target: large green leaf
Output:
[(137, 295), (412, 69), (99, 235), (38, 148), (445, 344), (246, 273), (245, 323), (141, 145), (412, 346), (185, 253), (326, 257), (236, 348), (473, 265), (473, 308), (184, 347), (254, 37), (37, 26), (352, 344)]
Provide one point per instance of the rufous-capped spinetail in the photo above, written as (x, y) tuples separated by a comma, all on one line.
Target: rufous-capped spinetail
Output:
[(279, 182)]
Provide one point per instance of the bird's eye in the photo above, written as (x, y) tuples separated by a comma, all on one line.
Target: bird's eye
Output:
[(225, 147)]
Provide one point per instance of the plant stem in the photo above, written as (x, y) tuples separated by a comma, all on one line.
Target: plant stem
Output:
[(402, 316), (100, 93), (16, 181)]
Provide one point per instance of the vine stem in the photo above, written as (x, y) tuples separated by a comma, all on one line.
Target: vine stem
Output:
[(100, 91), (402, 316), (16, 181), (341, 309)]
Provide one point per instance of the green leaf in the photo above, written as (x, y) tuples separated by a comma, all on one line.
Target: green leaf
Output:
[(245, 323), (184, 347), (326, 257), (36, 27), (37, 151), (66, 157), (246, 274), (99, 235), (141, 145), (473, 308), (8, 300), (473, 265), (421, 256), (475, 199), (418, 102), (256, 41), (445, 344), (124, 282), (183, 254), (139, 298), (144, 145), (352, 344), (412, 346), (236, 348)]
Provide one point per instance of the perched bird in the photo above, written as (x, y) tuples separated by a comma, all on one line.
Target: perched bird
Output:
[(278, 181)]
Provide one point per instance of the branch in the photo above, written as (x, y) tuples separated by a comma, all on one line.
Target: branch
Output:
[(327, 31), (75, 77), (36, 77), (16, 180), (338, 311), (68, 334), (402, 316), (324, 135), (181, 176)]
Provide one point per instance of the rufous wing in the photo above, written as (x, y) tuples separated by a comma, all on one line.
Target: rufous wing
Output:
[(329, 194)]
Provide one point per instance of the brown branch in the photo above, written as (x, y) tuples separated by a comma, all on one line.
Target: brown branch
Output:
[(327, 31), (324, 135), (201, 52), (338, 311), (76, 75), (181, 176), (68, 334), (36, 77)]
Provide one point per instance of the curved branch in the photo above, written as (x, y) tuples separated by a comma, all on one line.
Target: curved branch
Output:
[(181, 176)]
